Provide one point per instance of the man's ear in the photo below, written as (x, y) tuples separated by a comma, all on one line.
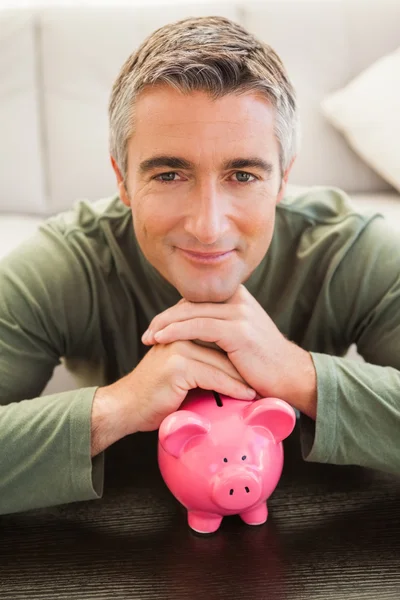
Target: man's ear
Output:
[(123, 194), (284, 181)]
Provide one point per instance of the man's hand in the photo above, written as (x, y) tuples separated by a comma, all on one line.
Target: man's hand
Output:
[(157, 387), (267, 361)]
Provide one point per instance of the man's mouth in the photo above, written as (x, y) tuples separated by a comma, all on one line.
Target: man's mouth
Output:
[(207, 257)]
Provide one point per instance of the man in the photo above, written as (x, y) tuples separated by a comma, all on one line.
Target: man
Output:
[(238, 285)]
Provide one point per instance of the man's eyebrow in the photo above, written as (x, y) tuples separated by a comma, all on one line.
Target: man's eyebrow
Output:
[(172, 162), (177, 162), (245, 163)]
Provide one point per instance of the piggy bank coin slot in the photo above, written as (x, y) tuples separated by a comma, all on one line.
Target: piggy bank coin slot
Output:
[(217, 399)]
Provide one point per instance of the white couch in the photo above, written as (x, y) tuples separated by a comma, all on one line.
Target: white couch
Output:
[(57, 66)]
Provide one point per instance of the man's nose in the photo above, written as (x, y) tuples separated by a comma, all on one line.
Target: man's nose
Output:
[(207, 217)]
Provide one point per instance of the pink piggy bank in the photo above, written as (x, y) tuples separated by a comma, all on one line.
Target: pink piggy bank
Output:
[(221, 456)]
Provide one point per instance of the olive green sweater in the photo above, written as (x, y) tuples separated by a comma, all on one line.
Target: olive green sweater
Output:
[(82, 290)]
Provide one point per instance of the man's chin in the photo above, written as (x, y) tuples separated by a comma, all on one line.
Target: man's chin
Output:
[(209, 293)]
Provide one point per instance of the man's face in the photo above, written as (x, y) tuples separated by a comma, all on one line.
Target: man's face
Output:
[(203, 176)]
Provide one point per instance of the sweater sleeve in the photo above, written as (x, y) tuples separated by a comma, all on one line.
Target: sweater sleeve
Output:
[(358, 406), (45, 442)]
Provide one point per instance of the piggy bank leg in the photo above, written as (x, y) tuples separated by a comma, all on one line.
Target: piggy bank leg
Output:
[(256, 515), (203, 522)]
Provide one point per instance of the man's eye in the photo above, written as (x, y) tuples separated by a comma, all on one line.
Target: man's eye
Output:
[(166, 177), (243, 177)]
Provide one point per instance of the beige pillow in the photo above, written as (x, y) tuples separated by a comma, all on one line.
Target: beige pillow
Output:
[(367, 112)]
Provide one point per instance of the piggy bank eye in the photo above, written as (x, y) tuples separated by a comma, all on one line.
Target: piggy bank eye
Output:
[(225, 460), (244, 457)]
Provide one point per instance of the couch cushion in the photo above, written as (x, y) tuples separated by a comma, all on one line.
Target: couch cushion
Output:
[(324, 45), (21, 165), (367, 112)]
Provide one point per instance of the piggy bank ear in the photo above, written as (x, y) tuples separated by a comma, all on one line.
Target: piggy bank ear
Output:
[(273, 414), (180, 427)]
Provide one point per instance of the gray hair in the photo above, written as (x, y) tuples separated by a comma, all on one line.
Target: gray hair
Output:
[(211, 54)]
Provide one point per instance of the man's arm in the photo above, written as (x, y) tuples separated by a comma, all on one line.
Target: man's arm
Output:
[(358, 415), (45, 442), (45, 452), (107, 422), (358, 409)]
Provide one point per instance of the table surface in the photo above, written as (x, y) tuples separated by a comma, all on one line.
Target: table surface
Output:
[(332, 533)]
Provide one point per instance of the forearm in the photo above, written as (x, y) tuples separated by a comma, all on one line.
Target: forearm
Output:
[(108, 421), (358, 415), (45, 452), (299, 380), (115, 413)]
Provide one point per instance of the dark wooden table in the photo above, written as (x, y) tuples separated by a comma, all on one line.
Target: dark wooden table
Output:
[(333, 533)]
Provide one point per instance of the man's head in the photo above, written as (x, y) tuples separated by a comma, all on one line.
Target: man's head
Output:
[(203, 133)]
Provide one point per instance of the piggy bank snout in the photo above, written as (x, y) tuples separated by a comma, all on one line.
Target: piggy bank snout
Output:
[(236, 489)]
